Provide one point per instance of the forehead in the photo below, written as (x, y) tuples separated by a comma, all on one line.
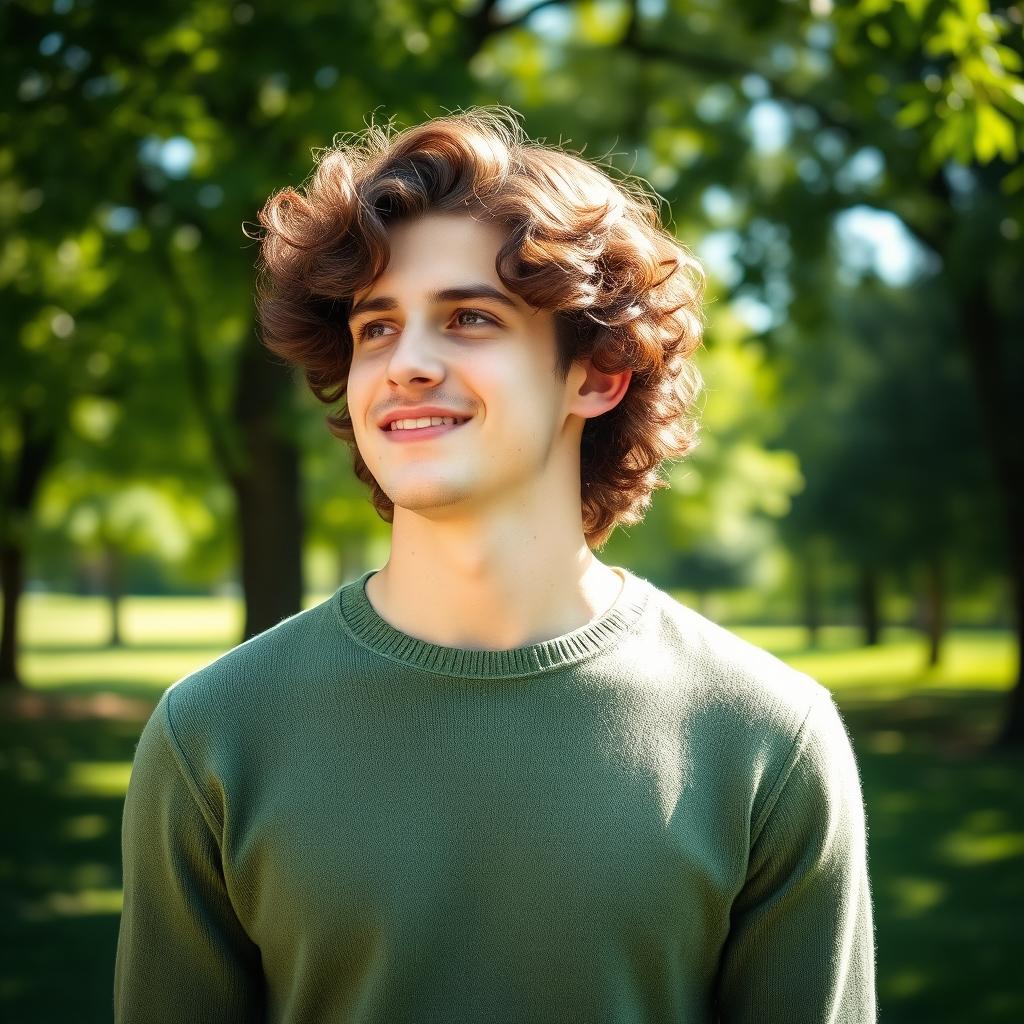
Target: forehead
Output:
[(440, 250)]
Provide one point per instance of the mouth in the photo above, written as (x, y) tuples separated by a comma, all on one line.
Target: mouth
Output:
[(423, 433)]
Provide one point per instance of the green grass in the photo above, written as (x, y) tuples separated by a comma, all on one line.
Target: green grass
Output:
[(945, 811), (165, 638)]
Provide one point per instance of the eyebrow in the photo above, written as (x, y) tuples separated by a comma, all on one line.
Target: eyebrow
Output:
[(463, 293)]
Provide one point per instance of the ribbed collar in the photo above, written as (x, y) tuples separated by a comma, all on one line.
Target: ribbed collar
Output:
[(360, 619)]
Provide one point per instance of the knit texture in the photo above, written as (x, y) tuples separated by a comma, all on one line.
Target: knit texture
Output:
[(645, 820)]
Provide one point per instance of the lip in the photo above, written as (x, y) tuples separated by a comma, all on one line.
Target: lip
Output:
[(422, 433)]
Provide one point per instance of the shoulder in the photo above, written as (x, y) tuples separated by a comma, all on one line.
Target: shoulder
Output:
[(746, 717), (233, 702), (255, 663), (722, 671)]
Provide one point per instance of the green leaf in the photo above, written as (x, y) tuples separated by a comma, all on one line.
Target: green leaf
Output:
[(993, 135), (914, 113), (1010, 59), (917, 8), (1013, 182)]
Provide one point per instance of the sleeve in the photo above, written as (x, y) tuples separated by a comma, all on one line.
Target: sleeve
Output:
[(801, 943), (181, 952)]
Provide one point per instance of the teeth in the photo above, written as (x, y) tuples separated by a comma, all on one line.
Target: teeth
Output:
[(423, 421)]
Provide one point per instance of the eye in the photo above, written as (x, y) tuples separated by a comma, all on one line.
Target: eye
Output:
[(364, 332), (474, 312)]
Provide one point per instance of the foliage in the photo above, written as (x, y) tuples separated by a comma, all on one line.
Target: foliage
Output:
[(761, 125)]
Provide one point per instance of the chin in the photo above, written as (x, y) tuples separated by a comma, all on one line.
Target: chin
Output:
[(423, 499)]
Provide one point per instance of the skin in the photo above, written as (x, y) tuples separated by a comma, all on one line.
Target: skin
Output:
[(487, 544)]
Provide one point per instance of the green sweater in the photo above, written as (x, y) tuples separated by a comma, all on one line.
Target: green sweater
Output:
[(647, 819)]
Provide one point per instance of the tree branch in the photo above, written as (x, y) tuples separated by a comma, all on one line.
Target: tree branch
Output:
[(483, 24)]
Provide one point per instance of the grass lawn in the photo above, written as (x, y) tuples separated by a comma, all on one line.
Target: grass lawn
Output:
[(945, 812)]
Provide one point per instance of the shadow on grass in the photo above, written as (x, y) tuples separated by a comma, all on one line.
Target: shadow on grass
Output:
[(946, 846), (60, 864), (946, 831)]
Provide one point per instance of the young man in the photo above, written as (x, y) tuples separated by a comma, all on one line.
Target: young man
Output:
[(494, 780)]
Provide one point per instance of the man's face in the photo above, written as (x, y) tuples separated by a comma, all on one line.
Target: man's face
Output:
[(428, 338)]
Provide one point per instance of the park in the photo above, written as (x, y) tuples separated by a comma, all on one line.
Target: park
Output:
[(849, 176)]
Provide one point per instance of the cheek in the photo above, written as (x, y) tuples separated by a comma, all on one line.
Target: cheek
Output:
[(511, 374), (355, 387), (356, 398), (521, 405)]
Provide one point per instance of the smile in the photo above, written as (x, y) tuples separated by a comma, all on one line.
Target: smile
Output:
[(422, 433)]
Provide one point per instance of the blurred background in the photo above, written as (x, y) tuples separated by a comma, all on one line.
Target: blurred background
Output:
[(851, 175)]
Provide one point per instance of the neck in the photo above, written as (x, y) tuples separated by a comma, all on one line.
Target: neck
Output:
[(486, 587)]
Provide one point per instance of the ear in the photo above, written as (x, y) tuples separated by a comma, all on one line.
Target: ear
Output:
[(596, 392)]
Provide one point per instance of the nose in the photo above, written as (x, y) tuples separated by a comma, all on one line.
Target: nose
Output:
[(414, 355)]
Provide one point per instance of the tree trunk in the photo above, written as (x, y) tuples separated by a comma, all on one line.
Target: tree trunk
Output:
[(113, 588), (267, 491), (868, 596), (812, 597), (1012, 732), (1004, 427), (257, 457), (934, 608), (38, 447), (12, 579)]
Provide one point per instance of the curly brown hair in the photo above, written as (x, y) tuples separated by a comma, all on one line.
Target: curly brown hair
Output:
[(581, 245)]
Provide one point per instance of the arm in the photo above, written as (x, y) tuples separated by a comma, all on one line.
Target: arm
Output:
[(181, 952), (801, 941)]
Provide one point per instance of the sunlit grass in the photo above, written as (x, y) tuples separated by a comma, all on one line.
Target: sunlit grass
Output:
[(84, 826), (97, 778), (66, 620), (83, 903), (164, 638), (912, 897), (982, 839), (971, 659)]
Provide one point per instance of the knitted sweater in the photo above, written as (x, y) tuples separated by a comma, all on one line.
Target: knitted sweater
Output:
[(646, 819)]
